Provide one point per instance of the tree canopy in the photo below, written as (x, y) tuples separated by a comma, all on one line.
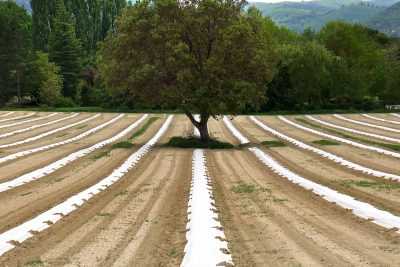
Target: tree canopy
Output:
[(203, 57)]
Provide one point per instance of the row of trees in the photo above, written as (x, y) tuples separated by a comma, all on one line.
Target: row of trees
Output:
[(48, 57), (203, 55)]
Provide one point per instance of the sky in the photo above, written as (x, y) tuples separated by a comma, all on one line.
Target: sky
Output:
[(277, 1)]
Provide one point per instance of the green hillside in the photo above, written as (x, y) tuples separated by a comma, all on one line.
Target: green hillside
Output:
[(388, 21), (298, 16)]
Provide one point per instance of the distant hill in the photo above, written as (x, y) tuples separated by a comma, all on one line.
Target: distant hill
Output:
[(315, 14), (388, 21)]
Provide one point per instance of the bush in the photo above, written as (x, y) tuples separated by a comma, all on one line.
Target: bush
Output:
[(65, 102)]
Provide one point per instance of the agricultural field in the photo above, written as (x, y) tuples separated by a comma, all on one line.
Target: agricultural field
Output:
[(102, 189)]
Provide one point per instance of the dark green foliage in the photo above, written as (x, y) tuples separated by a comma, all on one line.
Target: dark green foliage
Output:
[(206, 57), (123, 144), (192, 142), (65, 50), (15, 50), (325, 143), (273, 143)]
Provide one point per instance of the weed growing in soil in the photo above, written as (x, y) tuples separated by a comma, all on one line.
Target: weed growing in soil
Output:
[(324, 142), (243, 188), (144, 128), (101, 155), (34, 263), (104, 214), (81, 127), (122, 193), (123, 144), (273, 143), (192, 142), (395, 147), (372, 184)]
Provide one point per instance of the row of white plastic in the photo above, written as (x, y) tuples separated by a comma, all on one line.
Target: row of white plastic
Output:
[(39, 173), (327, 155), (367, 124), (33, 127), (396, 115), (342, 140), (27, 121), (67, 141), (350, 130), (43, 221), (360, 209), (380, 119), (40, 136), (6, 114), (206, 243), (17, 118)]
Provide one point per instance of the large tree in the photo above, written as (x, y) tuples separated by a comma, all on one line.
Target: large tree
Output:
[(15, 44), (206, 57), (65, 50)]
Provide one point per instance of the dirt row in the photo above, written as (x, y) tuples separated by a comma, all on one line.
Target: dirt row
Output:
[(140, 221)]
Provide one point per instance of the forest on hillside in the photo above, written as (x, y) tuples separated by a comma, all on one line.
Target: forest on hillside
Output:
[(67, 53)]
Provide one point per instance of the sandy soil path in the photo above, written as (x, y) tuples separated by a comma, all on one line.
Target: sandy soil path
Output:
[(139, 221), (280, 224)]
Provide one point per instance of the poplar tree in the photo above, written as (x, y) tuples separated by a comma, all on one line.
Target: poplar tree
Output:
[(65, 49)]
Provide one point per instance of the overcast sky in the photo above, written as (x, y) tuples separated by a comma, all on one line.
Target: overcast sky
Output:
[(276, 1)]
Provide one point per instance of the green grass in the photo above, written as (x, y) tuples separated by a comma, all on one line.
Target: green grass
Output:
[(144, 127), (192, 142), (372, 184), (123, 144), (104, 214), (34, 263), (324, 142), (395, 147), (273, 143), (101, 155), (243, 188)]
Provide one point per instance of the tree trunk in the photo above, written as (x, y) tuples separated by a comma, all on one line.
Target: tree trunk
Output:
[(203, 129), (201, 125)]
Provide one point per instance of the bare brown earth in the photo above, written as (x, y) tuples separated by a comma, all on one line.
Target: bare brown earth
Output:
[(385, 194), (361, 156), (331, 119), (280, 224), (14, 168), (139, 221), (38, 131)]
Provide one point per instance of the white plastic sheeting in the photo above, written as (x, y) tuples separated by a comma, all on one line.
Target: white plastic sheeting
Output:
[(339, 160), (37, 126), (6, 114), (396, 115), (70, 140), (39, 173), (342, 140), (23, 122), (44, 220), (206, 245), (358, 208), (367, 124), (37, 137), (242, 139), (20, 117), (390, 139), (380, 119)]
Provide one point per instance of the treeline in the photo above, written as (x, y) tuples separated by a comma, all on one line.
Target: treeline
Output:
[(52, 58), (49, 57)]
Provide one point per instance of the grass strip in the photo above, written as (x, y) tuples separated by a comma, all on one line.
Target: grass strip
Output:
[(192, 142), (143, 129), (324, 142), (372, 184), (395, 147), (273, 143)]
